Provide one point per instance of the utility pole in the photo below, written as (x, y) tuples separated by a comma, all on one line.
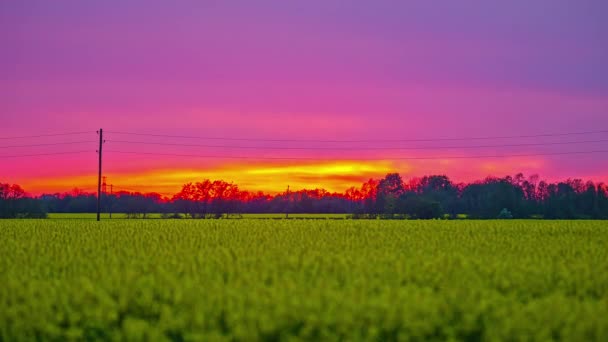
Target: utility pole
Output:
[(100, 132)]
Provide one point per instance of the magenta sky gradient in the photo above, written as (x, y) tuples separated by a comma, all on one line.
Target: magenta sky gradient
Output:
[(307, 69)]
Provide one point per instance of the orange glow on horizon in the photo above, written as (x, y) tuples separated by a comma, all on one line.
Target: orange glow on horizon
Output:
[(267, 177), (274, 177)]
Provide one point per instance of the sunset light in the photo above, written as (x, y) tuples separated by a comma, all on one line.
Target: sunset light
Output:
[(210, 95), (319, 170)]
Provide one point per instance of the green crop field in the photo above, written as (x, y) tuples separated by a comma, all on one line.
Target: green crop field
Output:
[(208, 280)]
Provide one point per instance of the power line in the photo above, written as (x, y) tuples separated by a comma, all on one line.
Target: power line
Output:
[(386, 158), (43, 154), (362, 140), (49, 144), (46, 135), (358, 148)]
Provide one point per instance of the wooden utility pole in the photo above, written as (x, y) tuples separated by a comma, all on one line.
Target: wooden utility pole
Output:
[(99, 174)]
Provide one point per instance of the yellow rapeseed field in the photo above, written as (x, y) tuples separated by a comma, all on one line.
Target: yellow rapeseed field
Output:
[(186, 280)]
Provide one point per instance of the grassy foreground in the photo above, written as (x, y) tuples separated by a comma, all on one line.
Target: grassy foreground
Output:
[(314, 280)]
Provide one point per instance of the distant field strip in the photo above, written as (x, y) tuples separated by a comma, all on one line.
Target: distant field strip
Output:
[(158, 216), (349, 280)]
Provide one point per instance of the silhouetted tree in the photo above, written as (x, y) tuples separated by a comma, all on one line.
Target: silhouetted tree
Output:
[(437, 188), (389, 190), (486, 199), (15, 204)]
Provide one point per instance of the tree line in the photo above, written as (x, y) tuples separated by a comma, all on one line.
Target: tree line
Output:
[(391, 197), (14, 203)]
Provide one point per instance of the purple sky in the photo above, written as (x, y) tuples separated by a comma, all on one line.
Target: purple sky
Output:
[(307, 69)]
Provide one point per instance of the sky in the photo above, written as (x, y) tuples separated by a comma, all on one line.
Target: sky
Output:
[(337, 86)]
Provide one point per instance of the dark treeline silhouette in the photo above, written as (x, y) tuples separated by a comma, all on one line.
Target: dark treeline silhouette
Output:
[(15, 204), (388, 198)]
